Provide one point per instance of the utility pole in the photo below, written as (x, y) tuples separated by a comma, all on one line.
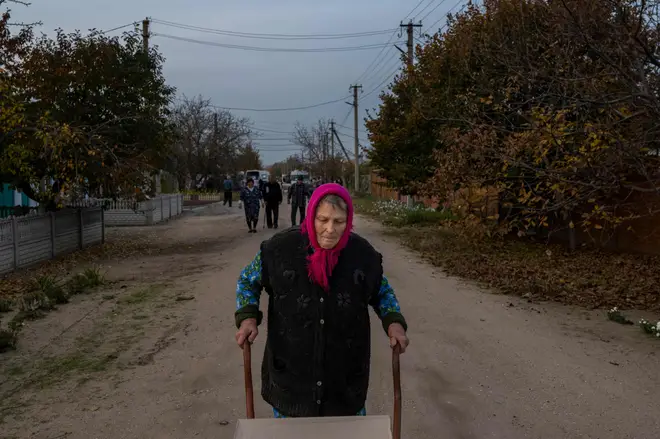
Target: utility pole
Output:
[(332, 139), (410, 27), (325, 155), (145, 35), (215, 133), (357, 145)]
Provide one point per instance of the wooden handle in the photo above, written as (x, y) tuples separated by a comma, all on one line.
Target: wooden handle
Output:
[(249, 391), (396, 372)]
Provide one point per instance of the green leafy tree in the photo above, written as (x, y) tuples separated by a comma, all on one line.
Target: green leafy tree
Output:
[(113, 101)]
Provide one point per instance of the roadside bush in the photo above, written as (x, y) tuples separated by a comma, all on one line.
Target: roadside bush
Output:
[(87, 280), (397, 214), (50, 287)]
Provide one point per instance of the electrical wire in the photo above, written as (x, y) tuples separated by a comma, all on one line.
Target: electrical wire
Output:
[(425, 8), (320, 104), (384, 68), (413, 9), (376, 69), (372, 64), (272, 131), (349, 128), (283, 109), (445, 16), (272, 49), (432, 10), (119, 27), (272, 36), (368, 69), (378, 87)]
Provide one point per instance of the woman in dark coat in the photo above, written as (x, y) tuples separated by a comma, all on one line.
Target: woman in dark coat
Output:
[(251, 198), (321, 280)]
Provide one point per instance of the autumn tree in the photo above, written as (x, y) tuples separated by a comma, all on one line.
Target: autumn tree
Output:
[(554, 104), (286, 166), (315, 142), (17, 126), (248, 157), (112, 100), (208, 141)]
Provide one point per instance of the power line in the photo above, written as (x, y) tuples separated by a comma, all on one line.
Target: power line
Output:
[(278, 109), (272, 49), (378, 87), (384, 68), (348, 128), (272, 131), (426, 7), (273, 36), (413, 9), (376, 59), (436, 7), (445, 16), (372, 64), (273, 139), (119, 27), (379, 66)]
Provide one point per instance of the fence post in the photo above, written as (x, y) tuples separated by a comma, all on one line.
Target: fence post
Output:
[(149, 211), (14, 231), (102, 225), (52, 234), (81, 228)]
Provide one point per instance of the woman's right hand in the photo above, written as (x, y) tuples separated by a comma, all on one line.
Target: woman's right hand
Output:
[(247, 331)]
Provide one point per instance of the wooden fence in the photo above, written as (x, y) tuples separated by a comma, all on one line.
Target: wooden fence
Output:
[(28, 240)]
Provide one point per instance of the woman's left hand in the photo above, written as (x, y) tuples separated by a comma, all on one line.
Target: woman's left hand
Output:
[(398, 336)]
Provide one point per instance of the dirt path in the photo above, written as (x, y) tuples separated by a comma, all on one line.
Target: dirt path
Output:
[(153, 355)]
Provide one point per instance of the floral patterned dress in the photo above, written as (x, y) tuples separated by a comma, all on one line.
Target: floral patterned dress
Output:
[(251, 199), (248, 292)]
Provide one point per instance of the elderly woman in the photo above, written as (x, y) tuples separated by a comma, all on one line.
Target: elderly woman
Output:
[(321, 280), (251, 198)]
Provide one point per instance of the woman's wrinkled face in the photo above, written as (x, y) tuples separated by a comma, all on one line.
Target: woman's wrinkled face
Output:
[(329, 224)]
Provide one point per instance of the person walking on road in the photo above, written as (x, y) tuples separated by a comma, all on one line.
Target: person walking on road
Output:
[(273, 198), (297, 197), (251, 198), (321, 280), (228, 186)]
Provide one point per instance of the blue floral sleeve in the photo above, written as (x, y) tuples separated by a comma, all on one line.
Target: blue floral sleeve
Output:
[(387, 305), (387, 301), (248, 287)]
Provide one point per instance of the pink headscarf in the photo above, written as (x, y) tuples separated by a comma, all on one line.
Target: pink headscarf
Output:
[(321, 263)]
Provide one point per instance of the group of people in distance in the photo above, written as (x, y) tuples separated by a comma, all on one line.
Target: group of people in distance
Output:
[(268, 195)]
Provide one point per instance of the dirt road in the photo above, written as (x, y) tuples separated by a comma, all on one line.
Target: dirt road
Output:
[(153, 356)]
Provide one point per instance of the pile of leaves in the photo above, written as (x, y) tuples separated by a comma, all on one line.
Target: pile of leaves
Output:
[(588, 278)]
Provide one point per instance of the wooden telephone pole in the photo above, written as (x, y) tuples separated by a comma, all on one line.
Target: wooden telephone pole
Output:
[(410, 28), (357, 144), (145, 35), (332, 139)]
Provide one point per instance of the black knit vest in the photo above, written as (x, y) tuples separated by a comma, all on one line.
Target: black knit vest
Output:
[(318, 347)]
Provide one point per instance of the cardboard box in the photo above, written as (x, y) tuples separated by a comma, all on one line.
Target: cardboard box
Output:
[(348, 427)]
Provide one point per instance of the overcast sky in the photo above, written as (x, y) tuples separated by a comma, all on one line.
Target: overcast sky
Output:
[(264, 79)]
